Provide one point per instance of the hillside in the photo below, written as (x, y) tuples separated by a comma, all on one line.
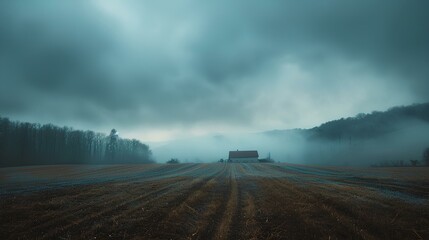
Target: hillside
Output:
[(375, 124), (364, 125), (392, 137)]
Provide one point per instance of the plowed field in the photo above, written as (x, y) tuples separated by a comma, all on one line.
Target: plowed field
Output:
[(213, 201)]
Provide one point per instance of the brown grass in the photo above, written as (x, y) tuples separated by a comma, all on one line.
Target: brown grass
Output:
[(220, 201)]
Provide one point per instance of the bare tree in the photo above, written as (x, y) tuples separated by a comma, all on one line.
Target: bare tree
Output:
[(426, 156), (29, 144)]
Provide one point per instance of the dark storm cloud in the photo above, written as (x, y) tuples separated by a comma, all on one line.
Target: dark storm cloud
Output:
[(52, 49), (390, 35), (133, 63)]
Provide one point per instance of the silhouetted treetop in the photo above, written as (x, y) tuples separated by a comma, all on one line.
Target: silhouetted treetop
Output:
[(373, 124), (23, 143)]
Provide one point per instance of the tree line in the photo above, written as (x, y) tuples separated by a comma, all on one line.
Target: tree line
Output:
[(396, 137), (23, 143), (371, 125)]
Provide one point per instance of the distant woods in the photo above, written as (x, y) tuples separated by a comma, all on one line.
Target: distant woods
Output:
[(396, 137), (366, 126), (24, 143)]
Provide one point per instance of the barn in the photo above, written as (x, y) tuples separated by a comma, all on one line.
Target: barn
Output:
[(243, 156)]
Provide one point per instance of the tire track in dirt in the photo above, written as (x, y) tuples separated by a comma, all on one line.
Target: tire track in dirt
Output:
[(229, 221), (250, 227), (84, 214), (117, 199), (185, 208), (307, 206), (223, 205), (236, 218), (275, 216), (157, 208), (212, 201), (338, 204), (247, 222), (74, 219), (204, 210), (196, 208)]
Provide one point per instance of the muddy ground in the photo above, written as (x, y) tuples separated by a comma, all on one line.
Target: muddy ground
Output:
[(213, 201)]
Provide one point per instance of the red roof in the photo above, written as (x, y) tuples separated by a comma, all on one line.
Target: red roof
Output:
[(243, 154)]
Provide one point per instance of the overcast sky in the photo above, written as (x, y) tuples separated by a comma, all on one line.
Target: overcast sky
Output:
[(159, 70)]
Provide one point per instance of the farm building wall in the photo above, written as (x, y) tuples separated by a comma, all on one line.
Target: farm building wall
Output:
[(249, 159)]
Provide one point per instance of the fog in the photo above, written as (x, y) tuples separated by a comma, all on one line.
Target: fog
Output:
[(405, 142), (214, 148), (205, 78), (162, 71)]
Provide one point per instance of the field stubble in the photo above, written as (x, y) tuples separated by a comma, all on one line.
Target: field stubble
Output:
[(213, 201)]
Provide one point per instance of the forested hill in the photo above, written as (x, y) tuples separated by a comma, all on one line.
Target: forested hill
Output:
[(392, 137), (375, 124), (23, 143)]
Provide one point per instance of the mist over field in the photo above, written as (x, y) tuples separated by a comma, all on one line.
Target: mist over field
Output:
[(214, 148), (194, 80), (164, 71), (390, 138), (381, 138), (392, 149)]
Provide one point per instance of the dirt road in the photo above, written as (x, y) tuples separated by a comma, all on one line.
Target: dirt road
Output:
[(213, 201)]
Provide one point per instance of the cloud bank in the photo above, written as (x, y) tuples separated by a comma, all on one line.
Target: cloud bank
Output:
[(159, 70)]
